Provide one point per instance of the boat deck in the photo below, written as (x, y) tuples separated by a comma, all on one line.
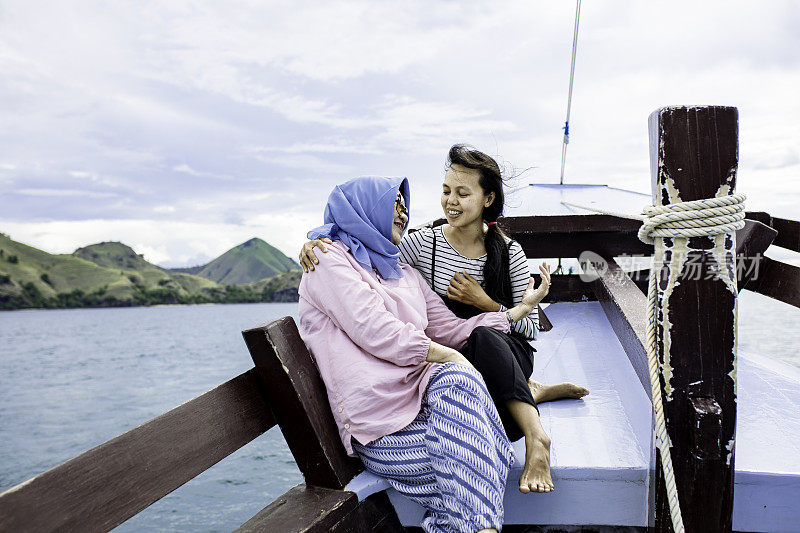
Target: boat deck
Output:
[(601, 444), (544, 199)]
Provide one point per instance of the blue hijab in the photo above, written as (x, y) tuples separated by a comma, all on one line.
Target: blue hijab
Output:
[(360, 213)]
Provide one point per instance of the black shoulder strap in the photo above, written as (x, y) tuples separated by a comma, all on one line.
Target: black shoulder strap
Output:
[(433, 257)]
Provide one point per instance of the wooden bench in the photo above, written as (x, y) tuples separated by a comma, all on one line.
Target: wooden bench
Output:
[(600, 445), (293, 382)]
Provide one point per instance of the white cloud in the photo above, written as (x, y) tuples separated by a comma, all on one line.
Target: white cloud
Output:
[(186, 169), (239, 116), (415, 125), (327, 146), (80, 174), (65, 193), (169, 243), (322, 41), (307, 162)]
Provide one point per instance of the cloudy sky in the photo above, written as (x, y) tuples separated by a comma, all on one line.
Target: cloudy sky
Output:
[(185, 128)]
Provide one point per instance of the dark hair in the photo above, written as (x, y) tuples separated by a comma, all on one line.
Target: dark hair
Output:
[(496, 276)]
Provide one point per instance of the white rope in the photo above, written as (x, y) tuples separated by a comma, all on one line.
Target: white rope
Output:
[(709, 217), (605, 212)]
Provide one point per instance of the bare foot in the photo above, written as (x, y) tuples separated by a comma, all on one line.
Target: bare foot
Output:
[(536, 473), (547, 393)]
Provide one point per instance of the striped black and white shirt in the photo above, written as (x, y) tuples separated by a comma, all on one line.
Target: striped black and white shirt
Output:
[(416, 249)]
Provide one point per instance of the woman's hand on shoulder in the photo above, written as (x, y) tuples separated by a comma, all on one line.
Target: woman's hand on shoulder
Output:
[(307, 257), (466, 289)]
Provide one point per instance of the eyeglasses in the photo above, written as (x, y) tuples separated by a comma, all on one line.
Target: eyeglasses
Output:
[(400, 206)]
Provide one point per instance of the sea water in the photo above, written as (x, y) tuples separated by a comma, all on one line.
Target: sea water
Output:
[(72, 379)]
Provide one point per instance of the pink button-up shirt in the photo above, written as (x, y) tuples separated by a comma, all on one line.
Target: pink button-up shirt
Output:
[(370, 338)]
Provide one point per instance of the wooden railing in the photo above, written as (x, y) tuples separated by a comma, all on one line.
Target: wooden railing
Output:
[(106, 485), (607, 236), (774, 278)]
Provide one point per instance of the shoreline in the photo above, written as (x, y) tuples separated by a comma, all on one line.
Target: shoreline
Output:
[(139, 306)]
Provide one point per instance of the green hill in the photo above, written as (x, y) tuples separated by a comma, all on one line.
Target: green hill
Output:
[(280, 288), (111, 274), (114, 255), (246, 263)]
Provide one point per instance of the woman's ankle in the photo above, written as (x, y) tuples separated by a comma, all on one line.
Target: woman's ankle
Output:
[(539, 437)]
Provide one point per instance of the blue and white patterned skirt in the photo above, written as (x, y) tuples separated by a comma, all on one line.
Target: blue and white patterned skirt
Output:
[(453, 459)]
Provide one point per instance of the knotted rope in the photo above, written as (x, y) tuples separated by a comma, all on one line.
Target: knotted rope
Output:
[(708, 217)]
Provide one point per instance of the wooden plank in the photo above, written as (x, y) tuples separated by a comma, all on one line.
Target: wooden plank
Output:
[(569, 224), (310, 509), (572, 244), (374, 513), (788, 233), (559, 528), (788, 230), (694, 155), (303, 509), (641, 278), (759, 216), (544, 322), (106, 485), (569, 235), (625, 307), (297, 393), (777, 280), (567, 288), (751, 243)]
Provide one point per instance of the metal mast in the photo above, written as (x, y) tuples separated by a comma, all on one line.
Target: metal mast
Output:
[(569, 99)]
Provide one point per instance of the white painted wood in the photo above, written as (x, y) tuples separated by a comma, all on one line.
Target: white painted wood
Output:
[(540, 199), (600, 451), (366, 484), (766, 493), (599, 464)]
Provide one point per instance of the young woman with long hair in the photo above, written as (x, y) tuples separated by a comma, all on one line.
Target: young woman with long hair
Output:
[(475, 268), (404, 399)]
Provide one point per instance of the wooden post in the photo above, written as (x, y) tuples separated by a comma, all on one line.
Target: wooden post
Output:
[(296, 393), (694, 155)]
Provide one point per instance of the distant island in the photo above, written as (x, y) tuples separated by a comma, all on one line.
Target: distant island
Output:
[(112, 274)]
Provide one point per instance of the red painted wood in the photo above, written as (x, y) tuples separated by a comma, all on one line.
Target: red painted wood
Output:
[(751, 243), (777, 280), (297, 395), (310, 509), (105, 486), (306, 509), (697, 148), (788, 233), (788, 230), (626, 308)]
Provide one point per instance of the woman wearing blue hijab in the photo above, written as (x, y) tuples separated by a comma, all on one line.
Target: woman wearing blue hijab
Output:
[(475, 268), (404, 399)]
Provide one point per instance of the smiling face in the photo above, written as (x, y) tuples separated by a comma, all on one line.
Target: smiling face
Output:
[(463, 199), (399, 220)]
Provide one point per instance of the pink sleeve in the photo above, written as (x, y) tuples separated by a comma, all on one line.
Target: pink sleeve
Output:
[(362, 314), (446, 328)]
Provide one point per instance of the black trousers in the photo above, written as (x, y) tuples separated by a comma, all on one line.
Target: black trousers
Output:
[(505, 362)]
